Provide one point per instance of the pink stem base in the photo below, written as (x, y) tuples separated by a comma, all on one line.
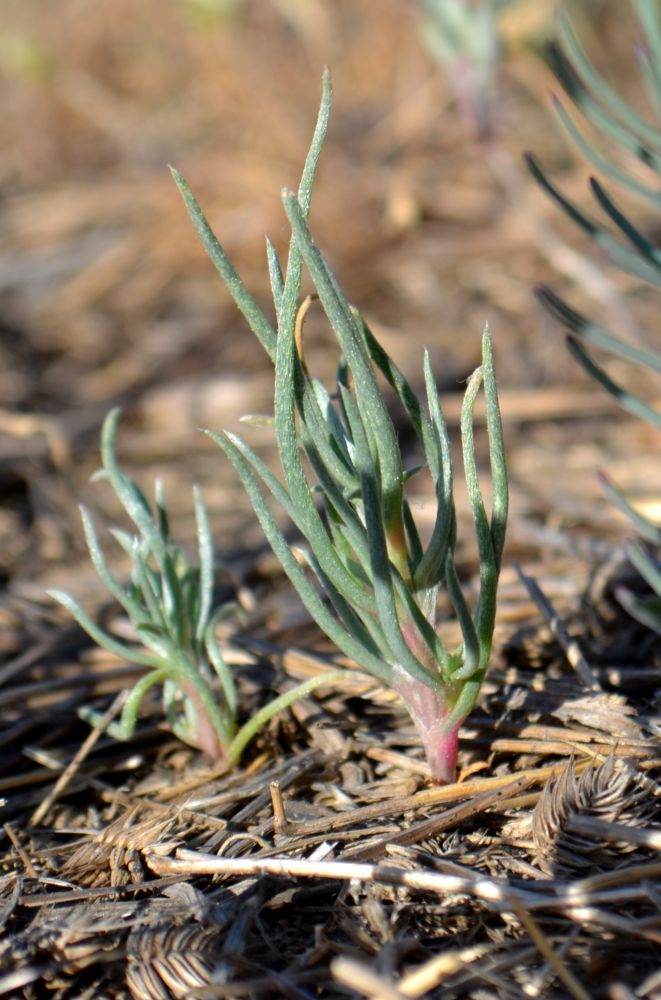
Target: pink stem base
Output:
[(430, 710), (206, 737)]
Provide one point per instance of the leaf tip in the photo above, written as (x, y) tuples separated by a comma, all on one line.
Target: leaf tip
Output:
[(60, 596), (178, 178)]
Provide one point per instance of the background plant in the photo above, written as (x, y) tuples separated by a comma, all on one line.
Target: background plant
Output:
[(621, 129), (469, 39), (463, 38), (169, 603), (377, 582)]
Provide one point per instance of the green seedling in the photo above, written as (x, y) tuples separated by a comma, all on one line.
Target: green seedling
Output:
[(169, 603), (368, 578)]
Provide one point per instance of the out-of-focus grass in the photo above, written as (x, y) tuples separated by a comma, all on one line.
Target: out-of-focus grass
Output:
[(97, 99)]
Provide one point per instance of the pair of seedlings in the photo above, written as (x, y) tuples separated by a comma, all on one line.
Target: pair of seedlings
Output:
[(371, 583)]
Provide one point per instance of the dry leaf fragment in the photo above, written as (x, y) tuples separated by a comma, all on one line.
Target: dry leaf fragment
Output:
[(613, 791), (608, 713)]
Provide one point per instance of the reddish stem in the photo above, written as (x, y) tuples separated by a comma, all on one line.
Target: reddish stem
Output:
[(430, 710), (206, 738)]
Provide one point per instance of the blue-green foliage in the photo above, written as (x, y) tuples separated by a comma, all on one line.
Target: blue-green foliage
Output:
[(169, 603), (621, 129), (344, 482)]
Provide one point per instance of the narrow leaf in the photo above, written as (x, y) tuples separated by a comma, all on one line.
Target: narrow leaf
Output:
[(594, 334), (206, 570), (100, 637), (245, 302), (627, 400)]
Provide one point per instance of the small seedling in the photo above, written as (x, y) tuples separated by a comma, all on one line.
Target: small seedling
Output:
[(371, 583), (169, 605)]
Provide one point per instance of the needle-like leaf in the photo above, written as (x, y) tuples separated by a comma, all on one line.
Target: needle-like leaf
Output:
[(623, 129)]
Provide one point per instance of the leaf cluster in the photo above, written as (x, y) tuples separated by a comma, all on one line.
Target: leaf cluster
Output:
[(621, 129), (373, 585), (169, 604), (367, 576)]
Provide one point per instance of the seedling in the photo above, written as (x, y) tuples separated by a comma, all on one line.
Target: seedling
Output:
[(169, 605), (370, 581)]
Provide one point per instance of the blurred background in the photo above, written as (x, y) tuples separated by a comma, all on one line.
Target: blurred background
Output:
[(423, 206)]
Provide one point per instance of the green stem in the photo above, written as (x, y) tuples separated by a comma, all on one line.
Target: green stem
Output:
[(253, 725)]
